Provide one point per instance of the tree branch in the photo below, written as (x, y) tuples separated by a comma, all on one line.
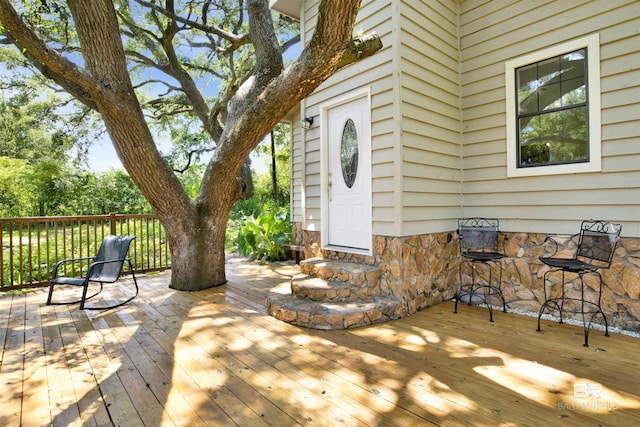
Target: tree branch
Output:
[(49, 61), (265, 42), (187, 84), (230, 37), (190, 155), (359, 49)]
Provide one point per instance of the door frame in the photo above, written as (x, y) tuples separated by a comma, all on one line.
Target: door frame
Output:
[(324, 169)]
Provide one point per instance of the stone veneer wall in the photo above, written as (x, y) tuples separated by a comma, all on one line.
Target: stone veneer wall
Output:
[(297, 234), (424, 270), (420, 271), (524, 274)]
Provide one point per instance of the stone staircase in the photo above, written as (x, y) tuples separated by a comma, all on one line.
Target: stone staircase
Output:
[(333, 294)]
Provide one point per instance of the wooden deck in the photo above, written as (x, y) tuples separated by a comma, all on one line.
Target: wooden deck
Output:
[(216, 358)]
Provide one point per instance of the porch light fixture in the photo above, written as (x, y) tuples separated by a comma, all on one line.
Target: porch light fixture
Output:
[(307, 122)]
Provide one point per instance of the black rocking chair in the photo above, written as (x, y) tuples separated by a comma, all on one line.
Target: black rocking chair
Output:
[(105, 267), (596, 245), (479, 244)]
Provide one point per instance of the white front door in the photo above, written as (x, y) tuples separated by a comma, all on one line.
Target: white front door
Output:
[(348, 180)]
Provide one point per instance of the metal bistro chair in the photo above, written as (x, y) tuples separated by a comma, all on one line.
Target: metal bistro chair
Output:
[(106, 267), (479, 244), (597, 242)]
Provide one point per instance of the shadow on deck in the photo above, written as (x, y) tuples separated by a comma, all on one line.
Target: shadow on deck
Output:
[(215, 357)]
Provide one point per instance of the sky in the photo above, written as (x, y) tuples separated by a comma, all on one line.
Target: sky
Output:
[(102, 157)]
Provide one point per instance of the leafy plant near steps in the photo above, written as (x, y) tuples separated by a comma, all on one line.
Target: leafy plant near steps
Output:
[(262, 237)]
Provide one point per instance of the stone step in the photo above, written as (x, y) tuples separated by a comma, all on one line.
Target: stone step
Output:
[(332, 315), (329, 290), (357, 275)]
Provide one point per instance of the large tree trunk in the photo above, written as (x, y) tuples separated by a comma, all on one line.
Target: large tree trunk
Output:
[(197, 253)]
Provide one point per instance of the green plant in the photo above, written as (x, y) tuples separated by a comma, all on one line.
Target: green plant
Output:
[(262, 237)]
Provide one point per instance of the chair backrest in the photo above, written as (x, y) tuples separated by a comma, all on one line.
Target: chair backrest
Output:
[(113, 248), (478, 234), (597, 243)]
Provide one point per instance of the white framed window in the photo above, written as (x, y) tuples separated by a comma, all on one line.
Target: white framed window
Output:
[(553, 110)]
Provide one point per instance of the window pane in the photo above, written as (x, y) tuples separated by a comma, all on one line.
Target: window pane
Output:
[(573, 78), (551, 95), (527, 81), (553, 138), (552, 111), (349, 153), (553, 83)]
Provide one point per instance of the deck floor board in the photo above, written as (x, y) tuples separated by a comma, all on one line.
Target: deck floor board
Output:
[(215, 357)]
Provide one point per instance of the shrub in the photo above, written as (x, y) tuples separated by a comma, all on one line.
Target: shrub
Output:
[(262, 237)]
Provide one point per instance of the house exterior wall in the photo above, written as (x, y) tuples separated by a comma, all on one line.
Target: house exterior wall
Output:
[(439, 144), (492, 33), (416, 160), (430, 117), (297, 170)]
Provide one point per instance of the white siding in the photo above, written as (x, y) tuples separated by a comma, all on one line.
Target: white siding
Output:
[(297, 170), (431, 117), (375, 73), (416, 163), (492, 32)]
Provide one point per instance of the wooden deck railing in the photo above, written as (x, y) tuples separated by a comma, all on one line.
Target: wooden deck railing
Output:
[(31, 246)]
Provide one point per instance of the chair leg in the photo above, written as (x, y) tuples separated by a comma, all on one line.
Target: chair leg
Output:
[(598, 310), (489, 290), (470, 288), (85, 288), (561, 306), (488, 295), (50, 293), (545, 304), (495, 290), (470, 291), (504, 303), (557, 303), (457, 295), (135, 282), (540, 313)]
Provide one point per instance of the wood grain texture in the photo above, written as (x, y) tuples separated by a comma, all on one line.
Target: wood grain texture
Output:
[(214, 357)]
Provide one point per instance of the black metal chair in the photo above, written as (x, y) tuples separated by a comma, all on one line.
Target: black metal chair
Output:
[(105, 267), (597, 242), (480, 242)]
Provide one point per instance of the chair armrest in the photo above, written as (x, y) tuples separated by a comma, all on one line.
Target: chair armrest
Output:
[(108, 262), (556, 243), (68, 260)]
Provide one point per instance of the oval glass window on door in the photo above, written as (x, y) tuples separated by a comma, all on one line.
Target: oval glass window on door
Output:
[(349, 153)]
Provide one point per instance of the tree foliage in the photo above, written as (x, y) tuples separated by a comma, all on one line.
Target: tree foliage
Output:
[(282, 157), (49, 189), (38, 121)]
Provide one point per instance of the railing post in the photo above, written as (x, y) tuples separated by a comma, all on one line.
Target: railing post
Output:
[(112, 224)]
